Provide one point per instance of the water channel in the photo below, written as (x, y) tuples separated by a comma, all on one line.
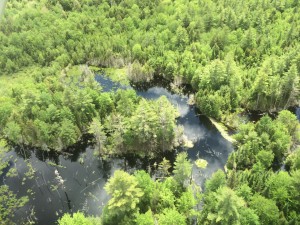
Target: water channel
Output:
[(85, 175)]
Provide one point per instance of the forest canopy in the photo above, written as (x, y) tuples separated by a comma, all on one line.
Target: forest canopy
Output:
[(234, 55)]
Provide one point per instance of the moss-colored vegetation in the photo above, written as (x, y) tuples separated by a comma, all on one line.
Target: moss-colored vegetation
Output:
[(235, 54)]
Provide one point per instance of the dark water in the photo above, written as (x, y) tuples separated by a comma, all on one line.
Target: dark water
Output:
[(85, 175), (297, 112), (207, 140)]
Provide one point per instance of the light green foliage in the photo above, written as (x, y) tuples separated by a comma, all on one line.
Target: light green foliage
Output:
[(124, 191), (171, 217), (278, 186), (127, 102), (182, 169), (201, 163), (266, 209), (163, 167), (295, 190), (289, 120), (141, 127), (217, 180), (154, 201), (244, 191), (186, 203), (152, 127), (78, 219), (144, 219), (227, 207), (248, 51), (265, 158), (68, 132), (52, 111), (13, 131), (264, 143), (224, 206), (260, 147), (219, 85), (96, 129), (249, 217), (147, 185), (293, 159), (3, 151), (163, 197), (235, 54), (137, 52), (6, 107)]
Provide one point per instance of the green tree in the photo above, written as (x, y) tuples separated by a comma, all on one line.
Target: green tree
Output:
[(186, 203), (278, 186), (227, 207), (217, 181), (78, 219), (13, 132), (96, 129), (163, 168), (245, 192), (289, 120), (171, 217), (295, 189), (144, 219), (265, 158), (163, 196), (68, 133), (146, 184), (293, 160), (266, 210), (5, 111), (182, 169), (137, 52), (124, 191)]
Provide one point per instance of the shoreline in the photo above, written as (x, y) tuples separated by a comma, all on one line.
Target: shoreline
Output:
[(222, 129)]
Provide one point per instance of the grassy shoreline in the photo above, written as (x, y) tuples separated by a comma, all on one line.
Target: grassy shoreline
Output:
[(222, 129)]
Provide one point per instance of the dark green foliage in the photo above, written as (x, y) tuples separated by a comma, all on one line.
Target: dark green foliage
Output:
[(265, 142), (235, 54), (224, 207), (139, 126), (293, 160), (137, 199), (238, 54), (266, 209), (182, 169), (260, 148), (217, 180), (148, 186), (162, 201), (278, 189), (53, 111), (50, 111)]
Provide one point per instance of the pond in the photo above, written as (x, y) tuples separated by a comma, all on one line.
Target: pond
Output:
[(78, 180)]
